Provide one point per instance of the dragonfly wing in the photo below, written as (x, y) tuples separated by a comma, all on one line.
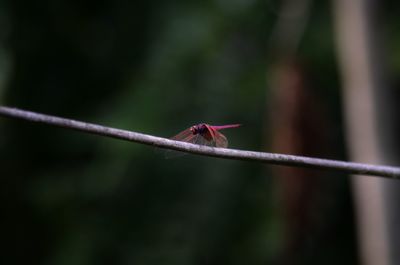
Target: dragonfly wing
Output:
[(201, 140), (194, 139), (220, 140), (214, 138), (185, 136)]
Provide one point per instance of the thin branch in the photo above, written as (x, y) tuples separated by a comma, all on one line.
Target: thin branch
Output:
[(271, 158)]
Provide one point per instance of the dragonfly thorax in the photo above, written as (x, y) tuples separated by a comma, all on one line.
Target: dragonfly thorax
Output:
[(199, 129)]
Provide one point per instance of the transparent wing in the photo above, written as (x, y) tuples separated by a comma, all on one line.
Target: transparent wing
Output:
[(220, 140), (185, 136), (201, 140)]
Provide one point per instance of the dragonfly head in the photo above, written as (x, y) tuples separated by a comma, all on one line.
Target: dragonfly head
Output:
[(195, 129)]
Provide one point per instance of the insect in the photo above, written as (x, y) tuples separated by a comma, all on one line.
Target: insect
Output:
[(205, 134)]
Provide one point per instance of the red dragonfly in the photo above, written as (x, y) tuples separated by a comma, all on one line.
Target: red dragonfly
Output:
[(205, 134)]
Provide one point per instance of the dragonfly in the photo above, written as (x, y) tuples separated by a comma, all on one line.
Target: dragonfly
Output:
[(205, 134)]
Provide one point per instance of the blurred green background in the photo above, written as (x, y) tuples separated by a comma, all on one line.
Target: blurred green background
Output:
[(159, 67)]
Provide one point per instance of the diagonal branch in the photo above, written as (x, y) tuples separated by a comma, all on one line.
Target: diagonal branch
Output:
[(271, 158)]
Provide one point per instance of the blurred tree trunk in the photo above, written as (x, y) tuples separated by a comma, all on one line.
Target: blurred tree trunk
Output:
[(370, 136), (297, 127)]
